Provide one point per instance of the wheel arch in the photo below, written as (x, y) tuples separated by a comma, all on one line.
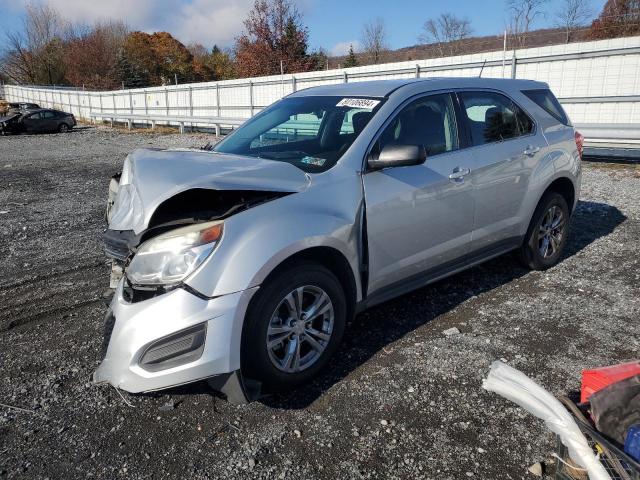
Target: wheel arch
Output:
[(565, 187), (328, 257)]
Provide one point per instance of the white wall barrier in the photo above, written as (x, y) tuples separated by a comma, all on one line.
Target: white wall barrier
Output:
[(597, 82)]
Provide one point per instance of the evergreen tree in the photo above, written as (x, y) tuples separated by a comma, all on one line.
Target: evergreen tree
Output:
[(221, 64), (352, 60), (128, 74)]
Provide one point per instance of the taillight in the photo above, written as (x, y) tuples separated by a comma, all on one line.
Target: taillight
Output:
[(579, 143)]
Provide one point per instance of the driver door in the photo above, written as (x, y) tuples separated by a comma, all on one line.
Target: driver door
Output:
[(32, 122), (419, 218)]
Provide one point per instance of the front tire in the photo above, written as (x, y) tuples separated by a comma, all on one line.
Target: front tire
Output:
[(63, 128), (547, 233), (293, 326)]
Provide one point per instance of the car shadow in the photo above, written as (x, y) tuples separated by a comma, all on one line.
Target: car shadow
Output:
[(374, 329), (371, 331)]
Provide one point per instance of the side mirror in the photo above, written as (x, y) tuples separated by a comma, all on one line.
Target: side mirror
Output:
[(398, 156)]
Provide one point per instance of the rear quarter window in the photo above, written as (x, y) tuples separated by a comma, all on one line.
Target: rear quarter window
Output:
[(546, 100)]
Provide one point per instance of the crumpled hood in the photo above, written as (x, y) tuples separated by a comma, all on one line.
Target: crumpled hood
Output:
[(157, 175), (8, 117)]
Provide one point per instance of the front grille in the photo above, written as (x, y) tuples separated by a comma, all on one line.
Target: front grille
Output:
[(109, 323)]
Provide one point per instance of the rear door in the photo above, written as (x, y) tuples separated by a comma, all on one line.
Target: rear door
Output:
[(50, 121), (419, 217), (505, 146)]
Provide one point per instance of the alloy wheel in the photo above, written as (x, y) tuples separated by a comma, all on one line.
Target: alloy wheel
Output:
[(551, 232), (300, 329)]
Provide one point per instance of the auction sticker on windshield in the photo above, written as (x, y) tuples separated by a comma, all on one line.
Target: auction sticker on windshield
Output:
[(365, 103)]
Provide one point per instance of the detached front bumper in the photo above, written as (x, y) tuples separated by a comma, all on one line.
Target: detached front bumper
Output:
[(173, 339)]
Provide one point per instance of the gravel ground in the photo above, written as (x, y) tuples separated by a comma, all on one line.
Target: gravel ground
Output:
[(401, 399)]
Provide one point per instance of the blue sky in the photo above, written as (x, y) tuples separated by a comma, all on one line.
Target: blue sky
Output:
[(333, 24)]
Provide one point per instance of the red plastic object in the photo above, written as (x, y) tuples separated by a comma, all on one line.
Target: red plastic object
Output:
[(599, 378)]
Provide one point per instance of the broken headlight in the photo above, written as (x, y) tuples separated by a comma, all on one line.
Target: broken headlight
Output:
[(172, 256)]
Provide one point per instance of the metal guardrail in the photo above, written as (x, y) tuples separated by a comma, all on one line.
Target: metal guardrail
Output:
[(130, 119), (610, 133), (595, 134)]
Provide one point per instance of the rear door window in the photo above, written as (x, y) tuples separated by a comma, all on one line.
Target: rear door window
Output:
[(493, 117), (48, 115), (549, 103)]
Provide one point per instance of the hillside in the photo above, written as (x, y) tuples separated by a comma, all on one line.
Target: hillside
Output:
[(536, 38)]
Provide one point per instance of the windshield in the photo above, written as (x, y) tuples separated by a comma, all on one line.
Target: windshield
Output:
[(311, 133)]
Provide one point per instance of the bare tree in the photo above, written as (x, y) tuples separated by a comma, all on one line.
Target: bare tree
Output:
[(35, 54), (374, 39), (572, 15), (523, 13), (446, 32)]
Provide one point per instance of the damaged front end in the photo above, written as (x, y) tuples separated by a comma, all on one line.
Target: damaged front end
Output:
[(191, 207), (10, 123), (166, 213)]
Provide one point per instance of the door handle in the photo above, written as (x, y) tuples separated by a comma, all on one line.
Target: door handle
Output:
[(530, 151), (458, 174)]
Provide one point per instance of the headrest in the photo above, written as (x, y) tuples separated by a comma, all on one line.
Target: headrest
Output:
[(493, 115), (359, 121)]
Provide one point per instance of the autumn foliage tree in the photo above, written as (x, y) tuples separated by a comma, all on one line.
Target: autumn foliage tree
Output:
[(274, 34), (156, 59), (214, 64), (91, 56), (619, 18), (34, 54)]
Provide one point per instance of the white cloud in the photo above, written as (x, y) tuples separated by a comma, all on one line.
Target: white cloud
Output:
[(205, 21), (342, 48), (211, 21), (134, 13)]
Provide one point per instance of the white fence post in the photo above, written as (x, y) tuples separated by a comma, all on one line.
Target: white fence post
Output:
[(251, 96), (514, 62), (218, 97)]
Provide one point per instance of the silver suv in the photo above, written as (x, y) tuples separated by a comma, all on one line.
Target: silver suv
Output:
[(241, 263)]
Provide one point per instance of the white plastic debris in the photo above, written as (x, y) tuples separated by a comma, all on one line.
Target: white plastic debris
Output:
[(451, 331), (517, 387)]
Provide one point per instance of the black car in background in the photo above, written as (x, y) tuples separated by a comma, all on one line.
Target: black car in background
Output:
[(37, 121), (20, 106)]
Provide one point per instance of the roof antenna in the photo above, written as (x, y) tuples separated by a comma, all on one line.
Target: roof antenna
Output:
[(483, 64)]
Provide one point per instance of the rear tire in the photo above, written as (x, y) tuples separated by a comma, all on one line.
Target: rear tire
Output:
[(547, 233), (63, 128), (293, 326)]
